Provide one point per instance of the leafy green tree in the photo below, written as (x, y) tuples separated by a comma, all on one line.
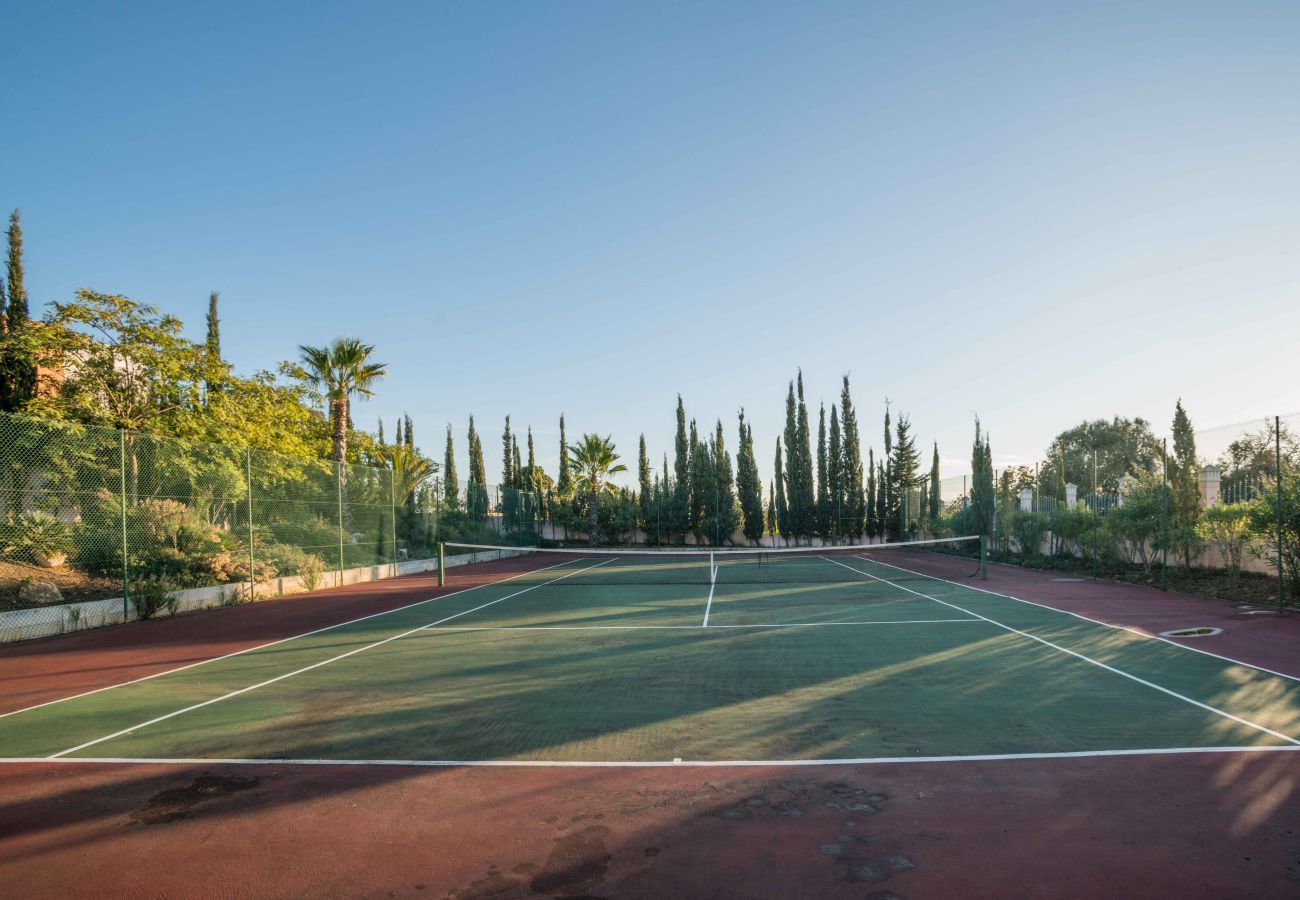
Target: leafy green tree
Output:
[(134, 369), (340, 371), (856, 503), (1119, 448), (1137, 520), (748, 485), (595, 462), (450, 485), (1230, 529)]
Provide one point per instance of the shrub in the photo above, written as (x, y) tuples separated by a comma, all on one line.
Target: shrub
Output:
[(310, 571), (1028, 530), (39, 537), (151, 594)]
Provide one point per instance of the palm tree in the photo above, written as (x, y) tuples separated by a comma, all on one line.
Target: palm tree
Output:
[(410, 469), (340, 370), (594, 460)]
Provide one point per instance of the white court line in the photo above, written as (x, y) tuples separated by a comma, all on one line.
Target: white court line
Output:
[(712, 584), (461, 628), (638, 764), (1089, 659), (1128, 628), (315, 665), (292, 637)]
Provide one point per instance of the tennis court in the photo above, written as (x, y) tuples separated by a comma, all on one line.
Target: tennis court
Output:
[(851, 654)]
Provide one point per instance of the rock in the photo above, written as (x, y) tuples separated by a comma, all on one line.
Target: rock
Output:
[(40, 593)]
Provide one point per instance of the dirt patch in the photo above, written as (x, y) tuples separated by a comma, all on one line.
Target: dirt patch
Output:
[(176, 803), (73, 585), (578, 863)]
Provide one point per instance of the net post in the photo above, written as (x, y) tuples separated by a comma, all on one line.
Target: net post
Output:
[(442, 565), (984, 557)]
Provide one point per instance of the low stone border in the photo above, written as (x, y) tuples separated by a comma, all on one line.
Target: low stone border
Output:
[(47, 621)]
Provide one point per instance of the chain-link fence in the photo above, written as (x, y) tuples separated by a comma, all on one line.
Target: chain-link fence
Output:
[(1211, 511), (89, 513)]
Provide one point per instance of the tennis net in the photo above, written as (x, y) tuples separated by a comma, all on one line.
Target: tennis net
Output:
[(957, 557)]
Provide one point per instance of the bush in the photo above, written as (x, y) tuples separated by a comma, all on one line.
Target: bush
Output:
[(1028, 529), (310, 570), (149, 595), (1228, 528), (40, 538)]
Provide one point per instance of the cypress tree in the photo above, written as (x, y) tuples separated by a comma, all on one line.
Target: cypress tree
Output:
[(17, 368), (4, 308), (748, 485), (807, 488), (782, 507), (679, 520), (882, 501), (823, 480), (771, 508), (935, 505), (517, 467), (701, 480), (646, 497), (563, 478), (885, 503), (728, 509), (855, 502), (477, 493), (788, 496), (507, 456), (212, 343), (903, 465), (1186, 494), (450, 486), (408, 434), (379, 435), (981, 491), (872, 516), (835, 460)]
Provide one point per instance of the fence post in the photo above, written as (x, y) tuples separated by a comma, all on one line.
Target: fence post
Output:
[(392, 508), (442, 565), (1164, 515), (1277, 462), (252, 567), (338, 484), (126, 574), (984, 557)]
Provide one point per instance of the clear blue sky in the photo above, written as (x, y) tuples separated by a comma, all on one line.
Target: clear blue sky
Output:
[(1040, 212)]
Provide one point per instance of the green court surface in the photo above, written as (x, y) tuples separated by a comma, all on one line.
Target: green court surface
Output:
[(608, 659)]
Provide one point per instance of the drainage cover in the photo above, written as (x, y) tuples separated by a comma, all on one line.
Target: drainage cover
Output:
[(1192, 632)]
